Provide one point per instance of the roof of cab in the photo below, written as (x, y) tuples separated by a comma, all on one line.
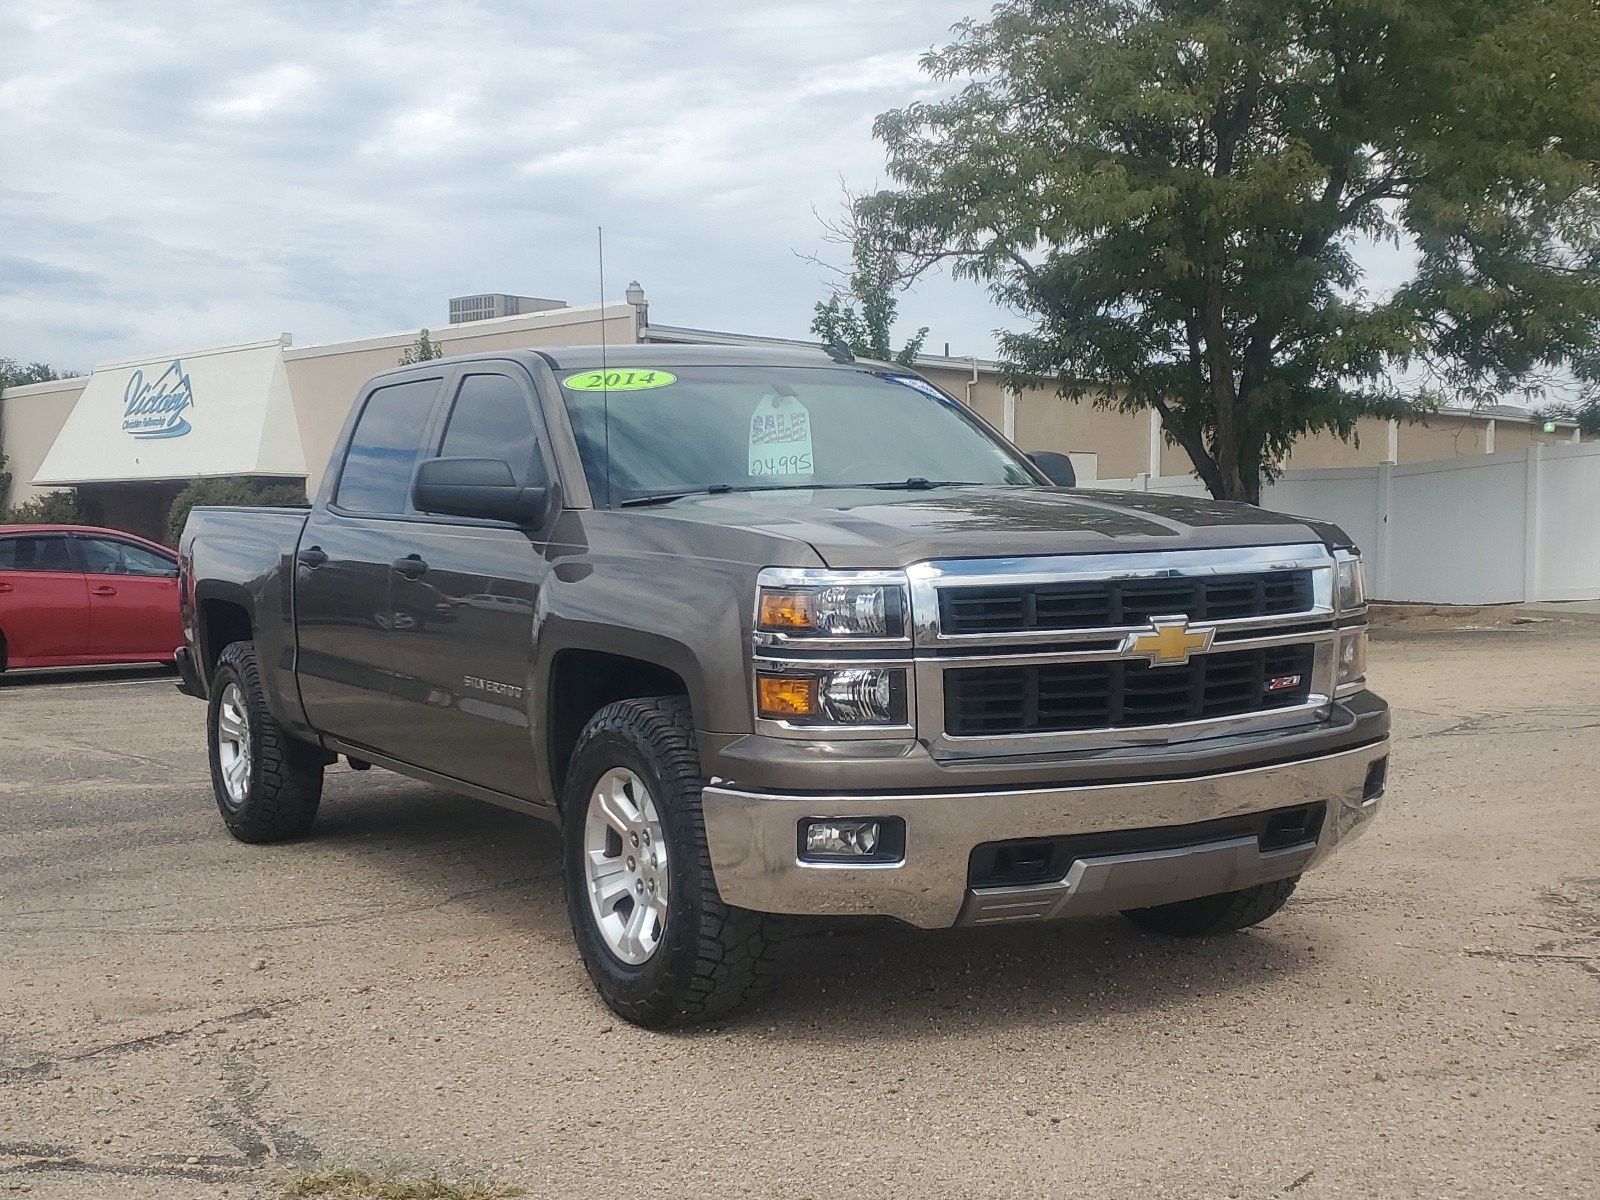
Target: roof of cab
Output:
[(566, 358), (581, 358)]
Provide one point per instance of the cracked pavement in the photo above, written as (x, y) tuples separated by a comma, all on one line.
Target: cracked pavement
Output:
[(185, 1016)]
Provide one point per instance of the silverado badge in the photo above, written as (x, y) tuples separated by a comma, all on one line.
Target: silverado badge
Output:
[(1169, 642)]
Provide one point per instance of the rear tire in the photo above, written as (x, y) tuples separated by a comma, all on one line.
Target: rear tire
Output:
[(633, 835), (268, 785), (1223, 912)]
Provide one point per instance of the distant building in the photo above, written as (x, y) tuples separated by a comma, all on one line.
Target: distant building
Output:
[(489, 305)]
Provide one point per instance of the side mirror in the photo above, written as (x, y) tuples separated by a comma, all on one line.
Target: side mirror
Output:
[(1057, 468), (477, 487)]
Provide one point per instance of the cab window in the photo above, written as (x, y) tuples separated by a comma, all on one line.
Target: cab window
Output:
[(384, 446), (491, 419)]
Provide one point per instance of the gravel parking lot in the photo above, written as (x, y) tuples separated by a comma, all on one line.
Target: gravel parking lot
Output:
[(185, 1016)]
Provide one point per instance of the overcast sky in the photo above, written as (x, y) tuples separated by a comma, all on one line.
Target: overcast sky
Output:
[(176, 174), (180, 174)]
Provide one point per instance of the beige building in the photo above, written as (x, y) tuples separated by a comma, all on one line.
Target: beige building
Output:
[(132, 434)]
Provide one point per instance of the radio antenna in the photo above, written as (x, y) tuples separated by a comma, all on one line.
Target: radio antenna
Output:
[(605, 383)]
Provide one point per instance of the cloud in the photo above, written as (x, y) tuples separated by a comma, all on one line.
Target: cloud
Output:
[(181, 173), (265, 92), (184, 173)]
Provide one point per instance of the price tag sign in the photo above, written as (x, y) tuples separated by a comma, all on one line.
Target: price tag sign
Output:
[(780, 437)]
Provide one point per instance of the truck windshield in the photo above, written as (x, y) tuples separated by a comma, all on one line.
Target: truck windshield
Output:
[(695, 429)]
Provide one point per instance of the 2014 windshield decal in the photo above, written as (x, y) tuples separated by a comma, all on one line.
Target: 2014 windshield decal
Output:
[(155, 410)]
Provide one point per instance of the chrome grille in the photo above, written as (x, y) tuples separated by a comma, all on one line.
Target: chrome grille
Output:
[(1118, 694), (1099, 604), (1051, 654)]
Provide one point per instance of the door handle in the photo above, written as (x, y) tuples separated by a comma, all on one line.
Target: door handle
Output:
[(6, 587), (311, 556), (411, 566), (105, 589)]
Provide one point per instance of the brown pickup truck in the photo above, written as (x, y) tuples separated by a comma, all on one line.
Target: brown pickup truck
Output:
[(781, 633)]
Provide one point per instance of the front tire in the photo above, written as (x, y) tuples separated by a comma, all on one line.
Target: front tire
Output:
[(657, 940), (1223, 912), (268, 785)]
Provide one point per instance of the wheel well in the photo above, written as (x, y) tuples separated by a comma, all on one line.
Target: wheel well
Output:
[(582, 682), (222, 622)]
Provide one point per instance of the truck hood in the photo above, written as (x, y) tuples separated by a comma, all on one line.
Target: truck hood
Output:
[(868, 527)]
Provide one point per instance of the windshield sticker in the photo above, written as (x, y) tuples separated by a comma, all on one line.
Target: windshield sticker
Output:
[(638, 379), (780, 437), (921, 385)]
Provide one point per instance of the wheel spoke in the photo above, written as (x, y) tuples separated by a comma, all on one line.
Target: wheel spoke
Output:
[(633, 933), (617, 807), (608, 880), (658, 911), (230, 724)]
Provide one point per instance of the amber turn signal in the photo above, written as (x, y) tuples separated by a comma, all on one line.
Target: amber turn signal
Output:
[(782, 696), (786, 610)]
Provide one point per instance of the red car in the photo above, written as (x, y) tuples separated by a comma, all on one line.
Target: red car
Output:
[(75, 596)]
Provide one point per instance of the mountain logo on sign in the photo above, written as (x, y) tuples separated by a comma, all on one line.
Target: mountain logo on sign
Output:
[(155, 410)]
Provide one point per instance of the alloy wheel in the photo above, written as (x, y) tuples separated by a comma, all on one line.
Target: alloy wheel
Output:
[(625, 866)]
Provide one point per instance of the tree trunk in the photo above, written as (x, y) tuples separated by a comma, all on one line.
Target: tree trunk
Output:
[(1224, 400)]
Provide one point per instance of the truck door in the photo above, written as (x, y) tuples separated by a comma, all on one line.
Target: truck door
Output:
[(465, 596), (344, 617)]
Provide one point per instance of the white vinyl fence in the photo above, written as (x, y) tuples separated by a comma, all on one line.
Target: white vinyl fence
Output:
[(1495, 529)]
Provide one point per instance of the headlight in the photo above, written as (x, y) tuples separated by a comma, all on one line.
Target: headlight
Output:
[(845, 696), (1352, 656), (1351, 591), (832, 610)]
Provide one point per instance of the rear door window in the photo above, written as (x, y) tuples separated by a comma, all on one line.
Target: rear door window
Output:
[(108, 556), (384, 448), (37, 552), (492, 419)]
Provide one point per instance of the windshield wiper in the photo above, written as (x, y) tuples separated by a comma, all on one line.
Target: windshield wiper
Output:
[(918, 484), (721, 489)]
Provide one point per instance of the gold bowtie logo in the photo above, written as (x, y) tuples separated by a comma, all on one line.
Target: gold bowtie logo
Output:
[(1169, 643)]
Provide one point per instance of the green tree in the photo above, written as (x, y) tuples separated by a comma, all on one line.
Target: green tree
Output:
[(248, 493), (1173, 192), (861, 309), (421, 350), (60, 507)]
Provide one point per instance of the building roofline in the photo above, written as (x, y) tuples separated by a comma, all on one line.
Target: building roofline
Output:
[(47, 386), (550, 318), (282, 340), (990, 366)]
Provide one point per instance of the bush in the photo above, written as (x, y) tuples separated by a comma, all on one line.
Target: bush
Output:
[(52, 508), (251, 493)]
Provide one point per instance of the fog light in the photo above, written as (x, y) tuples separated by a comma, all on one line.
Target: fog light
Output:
[(864, 841), (842, 839)]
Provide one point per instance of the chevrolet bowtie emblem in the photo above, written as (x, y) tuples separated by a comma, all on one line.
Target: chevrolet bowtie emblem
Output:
[(1169, 642)]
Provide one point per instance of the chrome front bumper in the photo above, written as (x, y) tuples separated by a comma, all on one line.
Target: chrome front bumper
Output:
[(753, 842)]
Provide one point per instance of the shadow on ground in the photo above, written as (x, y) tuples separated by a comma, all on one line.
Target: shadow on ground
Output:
[(891, 981)]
